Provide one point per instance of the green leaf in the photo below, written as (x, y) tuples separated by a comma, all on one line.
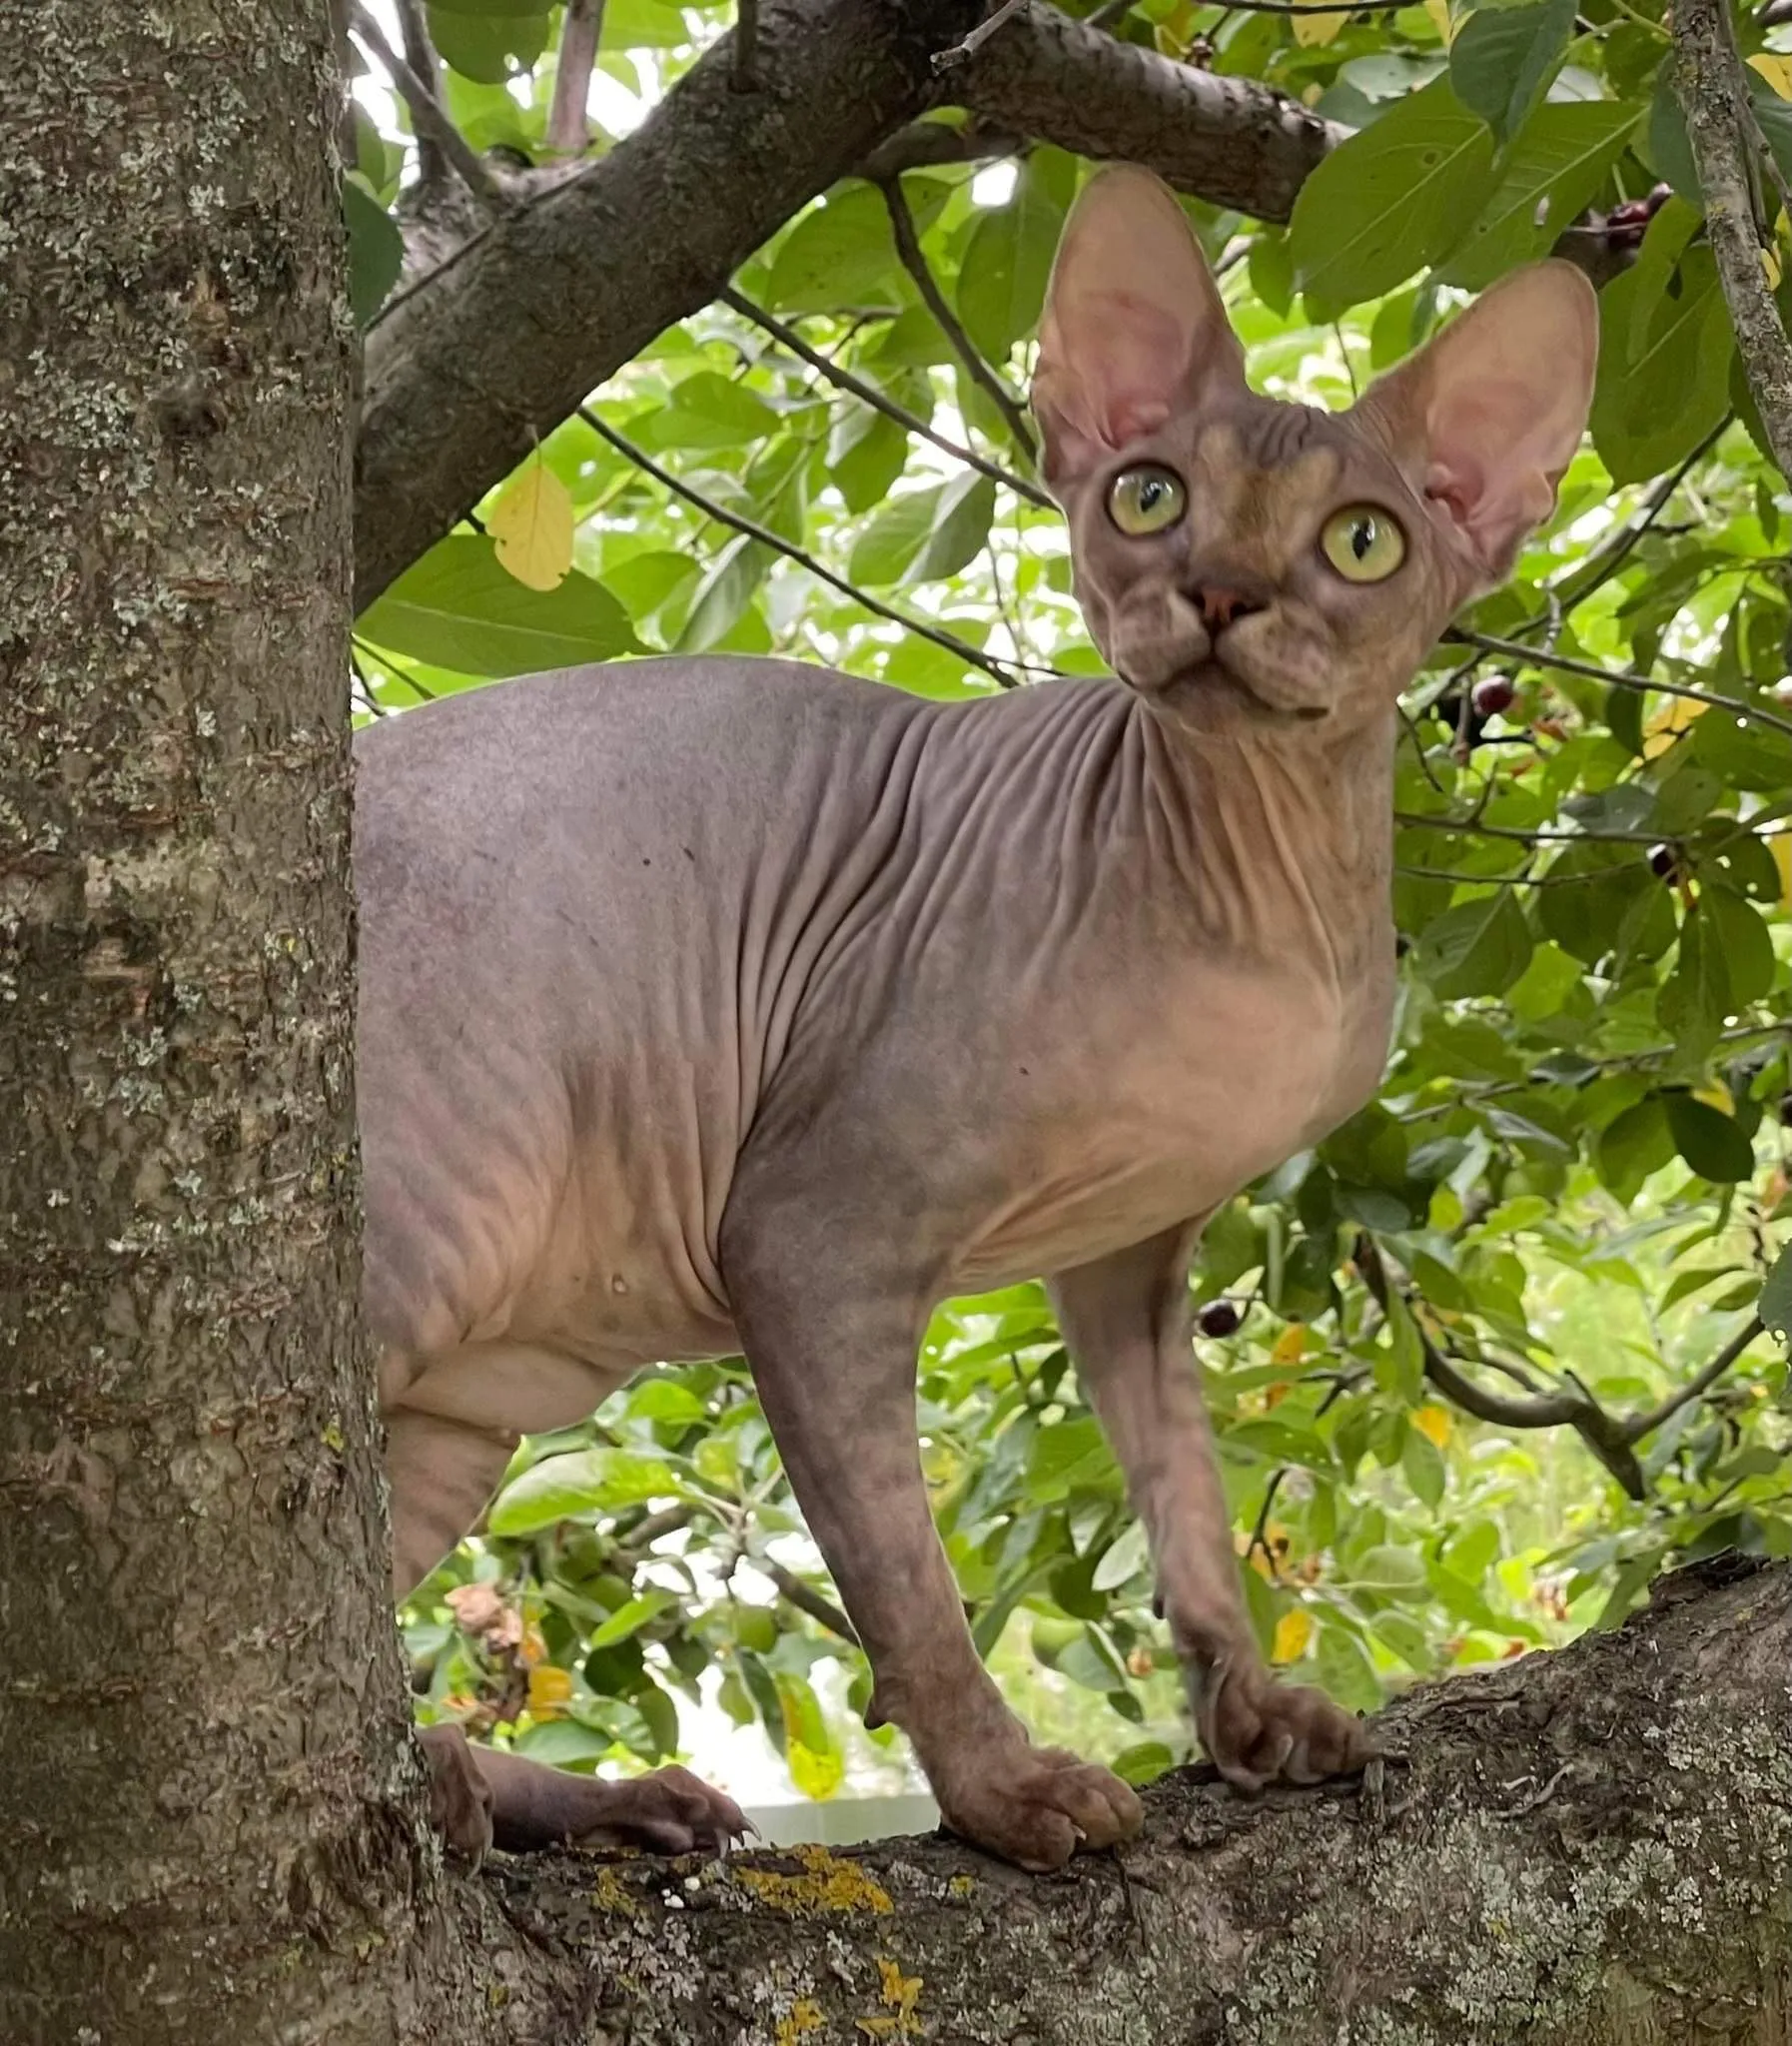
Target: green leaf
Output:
[(1553, 172), (489, 40), (1344, 1672), (1002, 274), (841, 254), (725, 591), (1695, 999), (632, 1617), (1142, 1764), (582, 1481), (1503, 58), (960, 527), (1741, 935), (1665, 349), (376, 249), (1632, 1146), (885, 550), (458, 608), (1775, 1307), (1479, 948), (1390, 201), (1123, 1561), (1423, 1462), (708, 411), (1711, 1142), (866, 453)]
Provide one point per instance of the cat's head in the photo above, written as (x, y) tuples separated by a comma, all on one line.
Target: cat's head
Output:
[(1249, 563)]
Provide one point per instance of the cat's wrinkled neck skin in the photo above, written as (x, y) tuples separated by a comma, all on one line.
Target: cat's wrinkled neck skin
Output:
[(1284, 835)]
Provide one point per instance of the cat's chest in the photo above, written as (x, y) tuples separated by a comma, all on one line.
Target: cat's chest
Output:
[(1220, 1079)]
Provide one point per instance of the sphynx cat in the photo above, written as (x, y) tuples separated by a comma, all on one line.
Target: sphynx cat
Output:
[(726, 1004)]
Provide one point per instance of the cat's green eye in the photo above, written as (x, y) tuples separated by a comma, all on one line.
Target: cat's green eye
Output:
[(1146, 500), (1362, 544)]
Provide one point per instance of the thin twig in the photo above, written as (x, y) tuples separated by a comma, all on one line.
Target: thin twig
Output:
[(1641, 1424), (1622, 678), (1602, 1432), (955, 54), (568, 120), (824, 1610), (426, 115), (868, 394), (1260, 1532), (419, 54), (908, 248), (1600, 567), (1476, 828), (972, 656)]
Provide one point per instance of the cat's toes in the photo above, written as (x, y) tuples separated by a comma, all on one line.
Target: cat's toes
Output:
[(459, 1796), (668, 1811), (1257, 1731), (1037, 1806)]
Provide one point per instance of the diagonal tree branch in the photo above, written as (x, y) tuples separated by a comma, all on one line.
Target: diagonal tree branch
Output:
[(981, 373), (568, 125), (426, 115)]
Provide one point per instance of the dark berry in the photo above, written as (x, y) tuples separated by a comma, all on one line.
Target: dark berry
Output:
[(1493, 694), (1218, 1318), (1663, 862)]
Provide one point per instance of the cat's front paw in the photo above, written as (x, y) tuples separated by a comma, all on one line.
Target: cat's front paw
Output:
[(459, 1796), (1034, 1806), (1257, 1731)]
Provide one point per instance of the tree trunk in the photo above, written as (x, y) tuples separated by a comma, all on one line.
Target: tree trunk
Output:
[(205, 1799), (1591, 1848)]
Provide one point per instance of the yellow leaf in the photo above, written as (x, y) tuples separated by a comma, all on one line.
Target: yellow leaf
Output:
[(1770, 268), (815, 1775), (1718, 1095), (549, 1691), (1434, 1423), (1776, 70), (1316, 26), (1291, 1346), (1667, 722), (533, 525), (1293, 1632), (1439, 10), (1782, 858)]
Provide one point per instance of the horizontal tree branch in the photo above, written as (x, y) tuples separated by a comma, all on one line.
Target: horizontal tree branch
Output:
[(1227, 140), (1594, 1846)]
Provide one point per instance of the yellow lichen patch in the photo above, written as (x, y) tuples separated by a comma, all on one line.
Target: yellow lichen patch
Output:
[(960, 1886), (804, 2015), (901, 1994), (609, 1895), (826, 1884)]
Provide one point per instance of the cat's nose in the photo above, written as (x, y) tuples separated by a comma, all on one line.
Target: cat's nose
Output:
[(1224, 603)]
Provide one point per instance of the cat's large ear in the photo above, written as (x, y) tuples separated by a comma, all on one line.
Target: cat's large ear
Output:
[(1485, 418), (1133, 326)]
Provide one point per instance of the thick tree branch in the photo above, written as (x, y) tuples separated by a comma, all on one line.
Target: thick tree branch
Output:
[(1592, 1845), (1726, 148), (504, 339), (1226, 140)]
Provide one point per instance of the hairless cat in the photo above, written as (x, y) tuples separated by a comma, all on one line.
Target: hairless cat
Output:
[(736, 1005)]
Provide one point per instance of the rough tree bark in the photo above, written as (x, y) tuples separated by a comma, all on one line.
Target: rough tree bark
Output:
[(1592, 1848), (1729, 152), (206, 1794)]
